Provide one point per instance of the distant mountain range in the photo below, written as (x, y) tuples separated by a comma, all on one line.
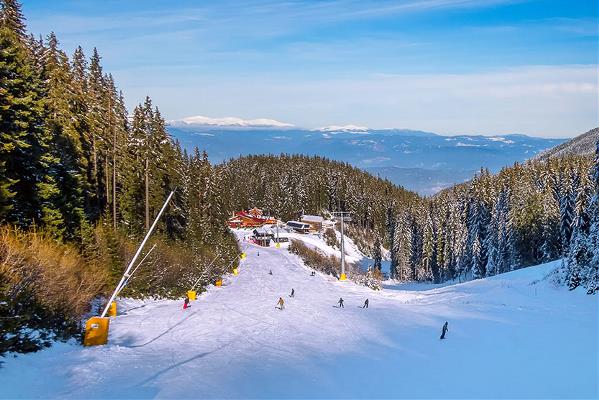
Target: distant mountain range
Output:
[(424, 162), (582, 145)]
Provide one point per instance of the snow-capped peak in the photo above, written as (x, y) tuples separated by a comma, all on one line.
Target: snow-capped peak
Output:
[(343, 128), (200, 120), (500, 139)]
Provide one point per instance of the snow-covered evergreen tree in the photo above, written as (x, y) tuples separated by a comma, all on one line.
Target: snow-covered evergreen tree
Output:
[(376, 254), (582, 262)]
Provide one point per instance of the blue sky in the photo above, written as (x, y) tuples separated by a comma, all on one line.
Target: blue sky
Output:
[(448, 66)]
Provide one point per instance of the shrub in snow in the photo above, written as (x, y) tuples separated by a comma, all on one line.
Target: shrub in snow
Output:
[(331, 265), (44, 289)]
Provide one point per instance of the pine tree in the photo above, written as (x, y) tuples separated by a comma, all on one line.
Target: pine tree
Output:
[(131, 200), (23, 139), (12, 18), (582, 261), (66, 168), (551, 247), (566, 209), (376, 254), (96, 125), (391, 229)]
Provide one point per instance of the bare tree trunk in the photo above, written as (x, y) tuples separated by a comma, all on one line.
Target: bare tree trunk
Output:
[(114, 144), (147, 184), (95, 170), (114, 183), (107, 179)]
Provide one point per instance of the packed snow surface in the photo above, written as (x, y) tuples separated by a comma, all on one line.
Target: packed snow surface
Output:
[(511, 336)]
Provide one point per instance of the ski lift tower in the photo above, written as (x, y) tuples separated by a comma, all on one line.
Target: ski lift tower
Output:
[(278, 243), (342, 216)]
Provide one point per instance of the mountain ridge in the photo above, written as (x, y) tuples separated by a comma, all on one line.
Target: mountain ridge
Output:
[(391, 153), (581, 145)]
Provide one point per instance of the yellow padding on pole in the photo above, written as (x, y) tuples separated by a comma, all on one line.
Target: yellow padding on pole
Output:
[(112, 309), (96, 331), (235, 271), (343, 277), (191, 294), (218, 282), (242, 256), (278, 245)]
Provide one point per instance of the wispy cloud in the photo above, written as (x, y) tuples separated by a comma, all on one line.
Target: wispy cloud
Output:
[(442, 65), (266, 16), (539, 100)]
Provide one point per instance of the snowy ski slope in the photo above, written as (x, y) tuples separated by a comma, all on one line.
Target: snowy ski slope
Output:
[(509, 336)]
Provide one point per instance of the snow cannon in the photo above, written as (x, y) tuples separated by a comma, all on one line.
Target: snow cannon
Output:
[(343, 277), (235, 271), (218, 283), (191, 295), (112, 312), (96, 331)]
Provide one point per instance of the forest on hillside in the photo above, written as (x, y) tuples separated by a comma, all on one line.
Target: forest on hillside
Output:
[(525, 215), (289, 185), (80, 182)]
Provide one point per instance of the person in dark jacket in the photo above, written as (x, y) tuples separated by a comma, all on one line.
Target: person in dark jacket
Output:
[(444, 330), (292, 292), (270, 272), (341, 302), (365, 304)]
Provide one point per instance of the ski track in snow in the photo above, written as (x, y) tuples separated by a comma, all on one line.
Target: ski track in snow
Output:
[(507, 338)]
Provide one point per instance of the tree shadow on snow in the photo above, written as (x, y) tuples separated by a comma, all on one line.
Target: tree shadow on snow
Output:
[(161, 335), (181, 363), (124, 312)]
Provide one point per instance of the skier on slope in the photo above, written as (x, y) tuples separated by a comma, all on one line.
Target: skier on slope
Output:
[(292, 293), (270, 272), (186, 303), (281, 303), (365, 304), (341, 302), (444, 330)]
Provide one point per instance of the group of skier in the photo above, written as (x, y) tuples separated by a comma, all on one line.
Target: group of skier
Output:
[(281, 303), (341, 304)]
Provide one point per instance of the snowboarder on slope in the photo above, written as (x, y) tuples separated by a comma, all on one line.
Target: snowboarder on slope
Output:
[(341, 302), (270, 272), (281, 303), (186, 303), (444, 330), (292, 293), (365, 304)]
